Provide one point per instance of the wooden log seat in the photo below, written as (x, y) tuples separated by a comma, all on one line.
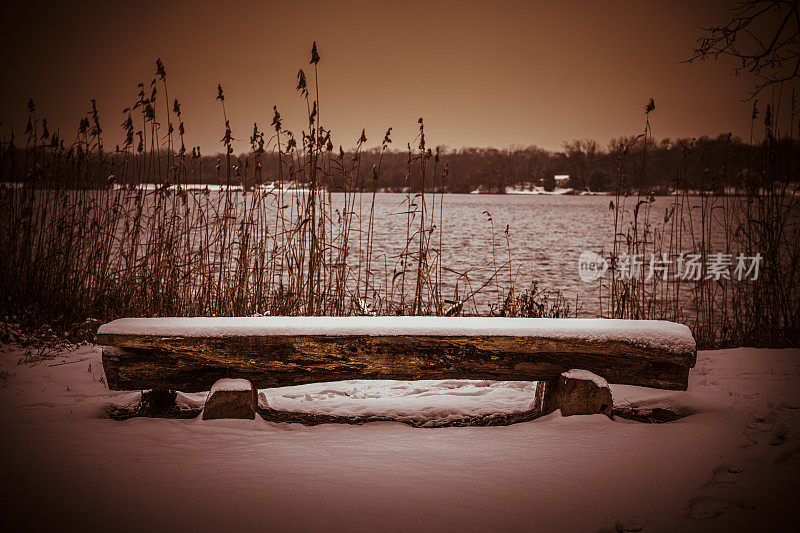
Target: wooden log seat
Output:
[(191, 354)]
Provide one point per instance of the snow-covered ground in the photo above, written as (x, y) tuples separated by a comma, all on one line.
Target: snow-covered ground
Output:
[(426, 403), (734, 464)]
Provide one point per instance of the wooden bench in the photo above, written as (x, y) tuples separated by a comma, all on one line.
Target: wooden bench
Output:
[(191, 354)]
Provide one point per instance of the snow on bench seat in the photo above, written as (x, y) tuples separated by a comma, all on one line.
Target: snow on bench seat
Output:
[(668, 336), (231, 385), (191, 353)]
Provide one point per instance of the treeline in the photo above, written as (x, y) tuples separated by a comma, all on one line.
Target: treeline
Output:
[(711, 164)]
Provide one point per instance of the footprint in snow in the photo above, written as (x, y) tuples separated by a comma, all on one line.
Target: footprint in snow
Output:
[(781, 435), (709, 507), (724, 475), (630, 525)]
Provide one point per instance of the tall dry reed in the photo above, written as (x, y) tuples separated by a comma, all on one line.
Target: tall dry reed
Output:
[(150, 242)]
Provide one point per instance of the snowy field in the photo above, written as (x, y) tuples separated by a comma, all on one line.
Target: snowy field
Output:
[(733, 464)]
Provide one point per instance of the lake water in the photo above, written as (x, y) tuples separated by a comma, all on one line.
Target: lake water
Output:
[(546, 235)]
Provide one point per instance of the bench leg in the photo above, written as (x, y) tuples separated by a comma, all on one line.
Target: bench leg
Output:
[(158, 403), (231, 398), (573, 396)]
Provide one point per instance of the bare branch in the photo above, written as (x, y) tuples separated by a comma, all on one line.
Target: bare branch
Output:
[(764, 35)]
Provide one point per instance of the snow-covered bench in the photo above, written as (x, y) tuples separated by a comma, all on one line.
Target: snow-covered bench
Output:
[(191, 354)]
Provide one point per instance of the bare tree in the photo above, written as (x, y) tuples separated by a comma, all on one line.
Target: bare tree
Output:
[(582, 155), (764, 35)]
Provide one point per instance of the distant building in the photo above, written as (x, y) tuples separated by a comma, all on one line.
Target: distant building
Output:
[(562, 178)]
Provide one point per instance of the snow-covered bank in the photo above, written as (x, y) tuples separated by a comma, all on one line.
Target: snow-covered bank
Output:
[(214, 187), (733, 464), (557, 191), (538, 190)]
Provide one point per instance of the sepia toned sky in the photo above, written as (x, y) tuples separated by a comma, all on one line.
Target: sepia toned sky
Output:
[(499, 74)]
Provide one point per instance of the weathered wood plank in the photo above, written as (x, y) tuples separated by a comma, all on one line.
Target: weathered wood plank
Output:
[(194, 363)]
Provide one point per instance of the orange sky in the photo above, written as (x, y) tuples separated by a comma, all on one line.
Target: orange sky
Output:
[(480, 73)]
